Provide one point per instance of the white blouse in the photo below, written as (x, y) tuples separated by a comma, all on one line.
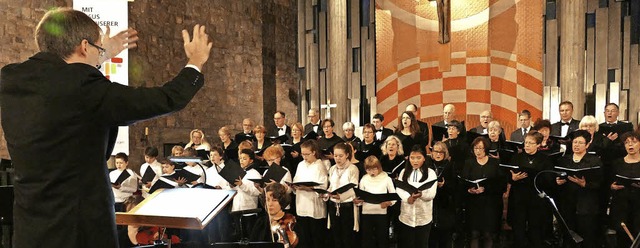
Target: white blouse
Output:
[(380, 184), (308, 203), (420, 212)]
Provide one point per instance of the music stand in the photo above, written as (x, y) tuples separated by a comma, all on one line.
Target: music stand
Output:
[(573, 235), (636, 242)]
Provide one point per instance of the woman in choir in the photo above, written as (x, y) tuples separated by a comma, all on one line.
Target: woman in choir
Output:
[(197, 141), (273, 226), (218, 230), (483, 199), (176, 151), (408, 131), (598, 140), (375, 221), (295, 141), (457, 147), (368, 147), (578, 194), (328, 139), (151, 163), (349, 134), (416, 207), (230, 147), (495, 142), (342, 213), (311, 210), (444, 204), (529, 215), (625, 202), (261, 143), (547, 146), (247, 194), (125, 189), (392, 158)]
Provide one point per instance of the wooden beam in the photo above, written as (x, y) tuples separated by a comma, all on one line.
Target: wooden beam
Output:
[(590, 60), (308, 15), (355, 23), (337, 58), (614, 51), (302, 55), (634, 85), (572, 58), (322, 39), (626, 51), (602, 39), (551, 54)]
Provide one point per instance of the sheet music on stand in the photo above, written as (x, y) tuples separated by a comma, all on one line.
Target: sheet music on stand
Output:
[(185, 208)]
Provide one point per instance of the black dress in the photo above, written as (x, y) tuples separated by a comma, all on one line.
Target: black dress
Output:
[(392, 166), (365, 150), (579, 206), (484, 211), (528, 214), (408, 142), (625, 203), (444, 206)]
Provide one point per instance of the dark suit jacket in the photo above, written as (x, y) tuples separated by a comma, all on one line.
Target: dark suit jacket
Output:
[(556, 128), (516, 135), (615, 149), (424, 128), (274, 131), (385, 133), (57, 119), (309, 127)]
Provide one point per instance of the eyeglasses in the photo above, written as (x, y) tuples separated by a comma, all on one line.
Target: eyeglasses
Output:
[(101, 51), (440, 152)]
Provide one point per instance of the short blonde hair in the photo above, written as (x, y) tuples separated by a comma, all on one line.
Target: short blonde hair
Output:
[(494, 124), (397, 140), (259, 129), (589, 120)]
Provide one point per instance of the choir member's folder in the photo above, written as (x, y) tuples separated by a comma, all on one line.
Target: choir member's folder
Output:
[(185, 208)]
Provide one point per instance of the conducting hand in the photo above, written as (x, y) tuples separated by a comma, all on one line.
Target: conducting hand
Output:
[(198, 48), (114, 45)]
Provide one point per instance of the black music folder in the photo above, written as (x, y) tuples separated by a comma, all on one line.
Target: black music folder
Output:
[(473, 135), (232, 171), (518, 169), (308, 184), (123, 176), (337, 191), (396, 170), (375, 198), (148, 175), (275, 172), (310, 136), (182, 173), (475, 183), (279, 139), (410, 188), (514, 145), (163, 183), (581, 172), (627, 181), (438, 132)]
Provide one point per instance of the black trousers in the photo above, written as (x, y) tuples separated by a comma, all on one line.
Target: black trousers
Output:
[(441, 237), (529, 225), (375, 230), (413, 237), (341, 229), (311, 232)]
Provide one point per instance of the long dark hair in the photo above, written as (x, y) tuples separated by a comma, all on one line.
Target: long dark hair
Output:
[(413, 126), (423, 169)]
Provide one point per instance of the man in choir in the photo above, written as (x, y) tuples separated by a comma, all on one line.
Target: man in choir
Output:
[(424, 127), (281, 128), (486, 117), (448, 114), (611, 112), (381, 133), (524, 118), (70, 107), (247, 131), (566, 124), (314, 121)]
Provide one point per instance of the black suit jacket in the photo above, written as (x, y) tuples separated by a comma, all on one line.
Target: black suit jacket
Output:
[(57, 119), (556, 128), (516, 135), (615, 149), (309, 127), (386, 132), (424, 128), (274, 131)]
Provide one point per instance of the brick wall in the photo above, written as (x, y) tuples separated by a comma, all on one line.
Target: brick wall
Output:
[(253, 45)]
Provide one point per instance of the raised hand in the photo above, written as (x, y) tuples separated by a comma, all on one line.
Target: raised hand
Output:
[(114, 45), (198, 48)]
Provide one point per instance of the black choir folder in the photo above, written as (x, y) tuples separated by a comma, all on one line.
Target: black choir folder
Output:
[(123, 176), (308, 184), (148, 175), (439, 133), (518, 169), (162, 183), (183, 208), (337, 191), (274, 172), (581, 172), (627, 181), (375, 198), (232, 171), (182, 173), (473, 183), (410, 188)]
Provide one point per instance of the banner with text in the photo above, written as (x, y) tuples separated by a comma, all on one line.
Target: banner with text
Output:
[(112, 13)]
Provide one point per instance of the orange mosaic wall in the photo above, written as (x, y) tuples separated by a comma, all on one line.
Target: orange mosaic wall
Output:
[(495, 59)]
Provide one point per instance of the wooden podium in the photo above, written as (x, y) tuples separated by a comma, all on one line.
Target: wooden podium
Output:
[(185, 208)]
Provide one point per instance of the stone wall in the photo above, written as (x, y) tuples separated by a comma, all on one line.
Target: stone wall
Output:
[(251, 71)]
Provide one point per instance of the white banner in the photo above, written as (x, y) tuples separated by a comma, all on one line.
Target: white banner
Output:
[(112, 13)]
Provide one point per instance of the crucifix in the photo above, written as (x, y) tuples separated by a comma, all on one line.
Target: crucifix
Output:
[(444, 20), (327, 107)]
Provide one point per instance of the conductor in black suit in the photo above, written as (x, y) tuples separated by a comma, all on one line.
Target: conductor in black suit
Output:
[(57, 110), (381, 133), (424, 127), (314, 121), (524, 118), (566, 124)]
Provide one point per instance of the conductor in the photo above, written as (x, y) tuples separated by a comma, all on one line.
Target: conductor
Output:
[(57, 111)]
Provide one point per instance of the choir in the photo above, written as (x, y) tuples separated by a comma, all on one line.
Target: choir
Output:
[(544, 186)]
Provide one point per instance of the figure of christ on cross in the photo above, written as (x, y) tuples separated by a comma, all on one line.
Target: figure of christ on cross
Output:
[(444, 20)]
